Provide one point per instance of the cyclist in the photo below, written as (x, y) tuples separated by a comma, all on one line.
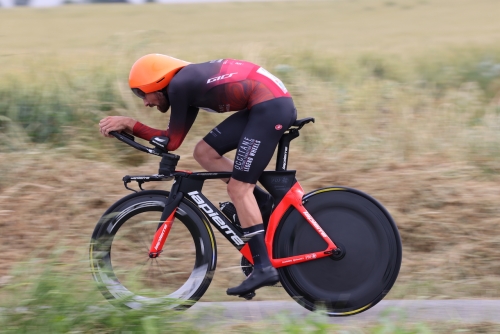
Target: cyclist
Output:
[(264, 111)]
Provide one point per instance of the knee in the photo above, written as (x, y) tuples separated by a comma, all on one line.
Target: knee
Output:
[(237, 189), (203, 151), (198, 151)]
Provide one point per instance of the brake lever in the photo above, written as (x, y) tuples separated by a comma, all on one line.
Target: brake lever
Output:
[(126, 182)]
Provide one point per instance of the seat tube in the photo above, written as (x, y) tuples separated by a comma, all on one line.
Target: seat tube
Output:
[(284, 149)]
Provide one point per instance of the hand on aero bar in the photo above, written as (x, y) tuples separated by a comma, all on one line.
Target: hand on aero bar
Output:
[(116, 123)]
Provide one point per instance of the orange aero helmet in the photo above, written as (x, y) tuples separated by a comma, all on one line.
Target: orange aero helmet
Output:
[(153, 72)]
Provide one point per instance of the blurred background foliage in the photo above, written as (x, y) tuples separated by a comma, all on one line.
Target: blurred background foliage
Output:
[(405, 107), (406, 96)]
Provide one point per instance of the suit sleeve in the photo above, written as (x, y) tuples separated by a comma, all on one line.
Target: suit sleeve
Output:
[(179, 126), (145, 132), (180, 123)]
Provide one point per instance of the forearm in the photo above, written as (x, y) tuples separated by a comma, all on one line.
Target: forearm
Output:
[(145, 132), (130, 124)]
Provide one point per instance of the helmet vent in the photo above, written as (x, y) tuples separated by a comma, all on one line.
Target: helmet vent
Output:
[(160, 80)]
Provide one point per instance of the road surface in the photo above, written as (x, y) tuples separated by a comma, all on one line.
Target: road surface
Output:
[(468, 311)]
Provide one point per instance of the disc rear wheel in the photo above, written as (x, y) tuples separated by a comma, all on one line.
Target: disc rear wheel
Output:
[(365, 269)]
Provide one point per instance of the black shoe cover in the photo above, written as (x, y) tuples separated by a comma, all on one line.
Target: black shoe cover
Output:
[(257, 279)]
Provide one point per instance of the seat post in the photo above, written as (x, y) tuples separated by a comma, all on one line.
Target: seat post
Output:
[(284, 149)]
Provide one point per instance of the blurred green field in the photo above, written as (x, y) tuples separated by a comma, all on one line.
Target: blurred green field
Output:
[(195, 30), (406, 96), (414, 77)]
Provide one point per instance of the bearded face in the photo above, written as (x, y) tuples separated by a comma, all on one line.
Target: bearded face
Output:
[(164, 103), (158, 100)]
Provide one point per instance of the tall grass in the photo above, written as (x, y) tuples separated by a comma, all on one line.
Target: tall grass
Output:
[(374, 107), (51, 295), (386, 81)]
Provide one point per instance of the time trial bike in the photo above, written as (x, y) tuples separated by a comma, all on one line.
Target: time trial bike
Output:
[(335, 248)]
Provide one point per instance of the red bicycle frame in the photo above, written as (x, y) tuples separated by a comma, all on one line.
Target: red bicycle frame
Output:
[(292, 198)]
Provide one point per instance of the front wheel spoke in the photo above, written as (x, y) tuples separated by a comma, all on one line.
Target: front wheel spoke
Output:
[(165, 258), (144, 239), (159, 268), (139, 247), (139, 267), (152, 269), (144, 264)]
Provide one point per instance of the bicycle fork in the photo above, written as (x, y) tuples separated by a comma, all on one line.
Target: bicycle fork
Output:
[(166, 221)]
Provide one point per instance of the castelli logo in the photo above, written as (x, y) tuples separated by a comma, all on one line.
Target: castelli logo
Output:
[(278, 127)]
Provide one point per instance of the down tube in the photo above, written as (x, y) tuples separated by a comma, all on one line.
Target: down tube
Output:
[(294, 198)]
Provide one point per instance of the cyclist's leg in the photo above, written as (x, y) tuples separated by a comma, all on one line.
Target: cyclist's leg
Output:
[(225, 137), (267, 121), (241, 194), (209, 152), (266, 124), (212, 161)]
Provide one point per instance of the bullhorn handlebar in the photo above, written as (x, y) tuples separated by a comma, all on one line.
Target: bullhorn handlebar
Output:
[(168, 160), (159, 142)]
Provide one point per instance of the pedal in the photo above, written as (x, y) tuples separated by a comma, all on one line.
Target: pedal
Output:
[(248, 296)]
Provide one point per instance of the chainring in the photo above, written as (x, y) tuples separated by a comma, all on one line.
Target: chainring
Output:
[(246, 266)]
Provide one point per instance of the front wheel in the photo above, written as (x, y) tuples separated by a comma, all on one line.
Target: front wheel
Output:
[(371, 252), (119, 253)]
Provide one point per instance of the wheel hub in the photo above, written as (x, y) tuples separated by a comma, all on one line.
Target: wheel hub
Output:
[(339, 253)]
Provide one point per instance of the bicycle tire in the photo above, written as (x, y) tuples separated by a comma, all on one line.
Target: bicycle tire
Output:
[(119, 253), (363, 228)]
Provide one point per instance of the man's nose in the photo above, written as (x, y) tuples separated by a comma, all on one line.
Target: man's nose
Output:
[(146, 103)]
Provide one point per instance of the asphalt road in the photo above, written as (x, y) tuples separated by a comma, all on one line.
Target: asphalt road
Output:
[(468, 311)]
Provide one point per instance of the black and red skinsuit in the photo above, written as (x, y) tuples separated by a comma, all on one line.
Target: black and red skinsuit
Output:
[(265, 111)]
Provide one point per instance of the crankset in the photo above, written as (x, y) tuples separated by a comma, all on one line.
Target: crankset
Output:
[(246, 266)]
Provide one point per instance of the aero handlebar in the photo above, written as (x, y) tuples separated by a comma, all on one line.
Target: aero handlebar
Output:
[(160, 143)]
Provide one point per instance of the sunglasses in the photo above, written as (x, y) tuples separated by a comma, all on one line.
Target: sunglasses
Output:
[(139, 93)]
